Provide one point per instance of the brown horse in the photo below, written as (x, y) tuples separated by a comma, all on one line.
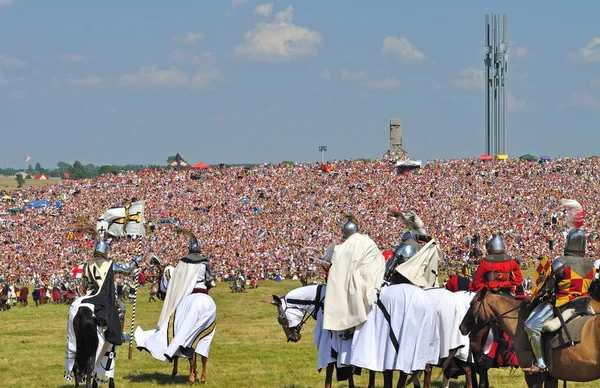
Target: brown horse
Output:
[(575, 363), (193, 369)]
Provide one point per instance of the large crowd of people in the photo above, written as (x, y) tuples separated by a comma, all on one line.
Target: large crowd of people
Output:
[(258, 219)]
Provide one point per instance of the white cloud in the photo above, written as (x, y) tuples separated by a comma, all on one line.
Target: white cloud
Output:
[(264, 9), (237, 3), (18, 94), (520, 105), (402, 49), (72, 58), (201, 79), (189, 57), (470, 78), (189, 37), (3, 80), (595, 83), (517, 50), (325, 74), (388, 83), (279, 40), (348, 75), (56, 83), (150, 75), (587, 53), (7, 61), (91, 80), (6, 3), (583, 100)]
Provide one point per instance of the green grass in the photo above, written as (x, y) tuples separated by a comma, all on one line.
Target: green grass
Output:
[(249, 348)]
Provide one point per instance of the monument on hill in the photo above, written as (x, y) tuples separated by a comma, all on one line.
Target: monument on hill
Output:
[(395, 138)]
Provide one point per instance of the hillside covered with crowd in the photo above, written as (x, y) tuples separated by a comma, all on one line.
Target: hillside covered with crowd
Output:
[(257, 219)]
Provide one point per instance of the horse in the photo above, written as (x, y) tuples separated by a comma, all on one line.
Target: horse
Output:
[(182, 338), (89, 354), (189, 331), (302, 303), (574, 363), (238, 283), (4, 304)]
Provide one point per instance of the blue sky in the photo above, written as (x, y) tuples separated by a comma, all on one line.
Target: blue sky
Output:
[(252, 81)]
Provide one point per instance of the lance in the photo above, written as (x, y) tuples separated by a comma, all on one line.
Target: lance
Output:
[(135, 285)]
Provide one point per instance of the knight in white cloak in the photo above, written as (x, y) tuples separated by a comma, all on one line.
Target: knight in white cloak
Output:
[(354, 280), (188, 318)]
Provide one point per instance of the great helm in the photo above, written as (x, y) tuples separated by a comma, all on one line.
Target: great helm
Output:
[(575, 245), (401, 255), (495, 245), (349, 228), (101, 248), (194, 245)]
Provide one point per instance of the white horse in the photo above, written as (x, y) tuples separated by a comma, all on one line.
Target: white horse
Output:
[(188, 331)]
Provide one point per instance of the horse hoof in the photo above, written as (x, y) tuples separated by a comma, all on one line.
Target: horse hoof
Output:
[(203, 380)]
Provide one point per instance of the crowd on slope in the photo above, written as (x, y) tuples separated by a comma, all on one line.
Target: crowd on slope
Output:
[(257, 219)]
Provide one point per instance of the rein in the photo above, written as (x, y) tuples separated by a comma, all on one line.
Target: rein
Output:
[(488, 322), (317, 302)]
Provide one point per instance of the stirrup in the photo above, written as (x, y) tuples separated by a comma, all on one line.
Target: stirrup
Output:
[(534, 369)]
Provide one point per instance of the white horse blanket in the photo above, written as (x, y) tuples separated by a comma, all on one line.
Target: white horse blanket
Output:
[(405, 340), (105, 355), (450, 308), (191, 327)]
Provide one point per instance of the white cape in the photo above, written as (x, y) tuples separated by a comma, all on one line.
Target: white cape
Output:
[(422, 268), (355, 277), (181, 285), (412, 324), (191, 327)]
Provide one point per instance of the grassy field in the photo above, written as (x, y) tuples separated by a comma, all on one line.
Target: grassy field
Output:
[(11, 183), (249, 348)]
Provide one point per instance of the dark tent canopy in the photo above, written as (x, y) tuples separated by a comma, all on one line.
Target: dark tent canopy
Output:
[(529, 157), (178, 162)]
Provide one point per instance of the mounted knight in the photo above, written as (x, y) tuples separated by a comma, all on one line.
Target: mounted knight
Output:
[(570, 276), (95, 325)]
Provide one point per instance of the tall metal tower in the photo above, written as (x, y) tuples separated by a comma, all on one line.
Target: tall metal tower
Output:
[(496, 68)]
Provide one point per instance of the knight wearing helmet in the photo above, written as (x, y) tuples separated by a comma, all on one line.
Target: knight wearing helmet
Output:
[(354, 279), (498, 272), (570, 277)]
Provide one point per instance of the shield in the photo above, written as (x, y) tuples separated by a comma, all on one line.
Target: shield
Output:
[(541, 274)]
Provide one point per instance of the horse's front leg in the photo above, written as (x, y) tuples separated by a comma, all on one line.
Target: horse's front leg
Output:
[(388, 376), (204, 361), (469, 379), (414, 378), (174, 373), (191, 379), (371, 379), (427, 378), (111, 383), (351, 381), (329, 375), (402, 380), (482, 371)]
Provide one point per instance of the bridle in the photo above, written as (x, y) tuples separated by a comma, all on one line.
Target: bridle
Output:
[(488, 322), (317, 302)]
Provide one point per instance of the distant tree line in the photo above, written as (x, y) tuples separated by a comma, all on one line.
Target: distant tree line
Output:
[(77, 170)]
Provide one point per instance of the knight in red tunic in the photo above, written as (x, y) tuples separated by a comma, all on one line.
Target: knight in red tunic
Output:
[(498, 271)]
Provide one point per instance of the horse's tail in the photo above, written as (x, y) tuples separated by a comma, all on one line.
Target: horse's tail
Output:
[(86, 338), (448, 361)]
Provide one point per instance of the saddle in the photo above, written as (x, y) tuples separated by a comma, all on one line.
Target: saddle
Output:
[(575, 314)]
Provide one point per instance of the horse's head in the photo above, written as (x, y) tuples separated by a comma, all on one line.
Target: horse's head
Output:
[(292, 333), (476, 314), (295, 308)]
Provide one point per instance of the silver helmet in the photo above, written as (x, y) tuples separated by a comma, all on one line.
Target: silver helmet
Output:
[(575, 245), (495, 245), (194, 246), (101, 248), (401, 255), (558, 269), (349, 228), (404, 252)]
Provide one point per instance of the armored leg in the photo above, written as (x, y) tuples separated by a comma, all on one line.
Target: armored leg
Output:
[(533, 327)]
